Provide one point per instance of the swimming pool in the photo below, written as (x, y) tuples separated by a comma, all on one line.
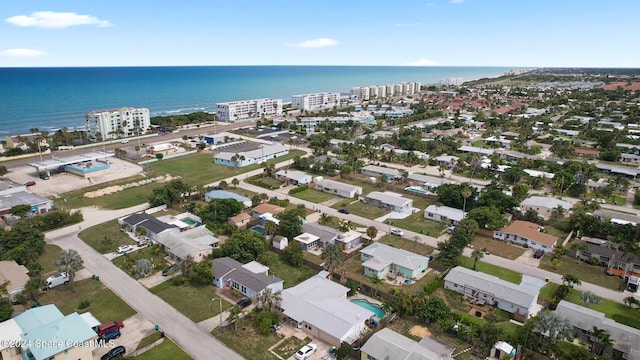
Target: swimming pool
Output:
[(416, 189), (188, 221), (376, 309), (259, 229)]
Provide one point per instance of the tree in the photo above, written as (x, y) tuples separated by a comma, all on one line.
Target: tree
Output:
[(235, 313), (270, 227), (372, 232), (269, 300), (137, 148), (550, 324), (332, 256), (631, 302), (186, 267), (601, 340), (159, 156), (223, 185), (434, 310), (34, 287), (20, 210), (143, 268), (6, 309), (292, 254), (469, 226), (571, 280), (4, 288), (244, 246), (217, 211), (466, 192), (290, 225), (476, 255), (235, 182), (488, 218), (3, 170), (69, 262), (588, 298)]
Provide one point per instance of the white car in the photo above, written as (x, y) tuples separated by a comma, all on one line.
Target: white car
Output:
[(397, 232), (306, 351), (124, 249)]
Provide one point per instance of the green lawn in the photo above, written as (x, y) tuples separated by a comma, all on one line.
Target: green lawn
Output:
[(194, 300), (406, 244), (104, 304), (593, 274), (314, 196), (360, 208), (50, 254), (417, 223), (611, 309), (361, 180), (291, 275), (247, 340), (168, 350), (502, 273), (153, 253), (265, 182), (95, 237), (149, 339), (619, 200)]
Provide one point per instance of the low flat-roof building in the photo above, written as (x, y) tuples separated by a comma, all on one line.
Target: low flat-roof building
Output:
[(446, 214), (337, 188), (245, 158), (545, 206), (390, 201)]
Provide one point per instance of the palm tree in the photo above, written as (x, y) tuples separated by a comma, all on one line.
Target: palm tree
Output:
[(235, 182), (332, 256), (269, 299), (466, 192), (4, 288), (550, 324), (571, 280), (235, 314), (588, 298), (601, 340), (69, 262), (476, 255), (631, 301), (270, 227), (324, 219)]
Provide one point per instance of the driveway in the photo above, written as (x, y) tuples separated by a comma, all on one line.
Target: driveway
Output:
[(135, 329)]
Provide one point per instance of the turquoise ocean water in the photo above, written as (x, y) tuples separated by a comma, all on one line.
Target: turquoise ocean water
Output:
[(52, 98)]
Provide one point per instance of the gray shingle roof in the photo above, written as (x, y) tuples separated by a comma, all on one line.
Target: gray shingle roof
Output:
[(388, 344), (382, 254), (325, 233), (234, 270), (148, 222)]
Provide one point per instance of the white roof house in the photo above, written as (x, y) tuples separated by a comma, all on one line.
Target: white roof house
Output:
[(336, 187), (444, 213), (476, 150), (544, 205), (388, 344), (9, 332), (321, 307), (391, 200), (386, 255), (426, 181), (380, 171), (295, 176), (197, 243)]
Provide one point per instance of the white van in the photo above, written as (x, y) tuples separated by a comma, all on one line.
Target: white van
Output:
[(55, 280)]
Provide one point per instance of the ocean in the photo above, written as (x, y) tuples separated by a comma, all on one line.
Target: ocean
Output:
[(53, 98)]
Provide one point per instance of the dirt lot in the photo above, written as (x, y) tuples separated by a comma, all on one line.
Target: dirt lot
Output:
[(64, 182), (497, 247)]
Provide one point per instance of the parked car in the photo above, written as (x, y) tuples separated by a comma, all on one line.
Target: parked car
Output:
[(124, 249), (29, 183), (110, 326), (117, 351), (538, 254), (111, 335), (451, 229), (125, 141), (56, 280), (170, 269), (277, 326), (243, 303), (44, 176), (306, 351), (344, 211), (397, 232)]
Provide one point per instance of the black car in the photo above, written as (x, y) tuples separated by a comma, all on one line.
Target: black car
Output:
[(244, 303), (344, 211), (111, 335), (117, 351), (169, 270), (538, 254)]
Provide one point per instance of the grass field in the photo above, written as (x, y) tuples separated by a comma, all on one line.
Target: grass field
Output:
[(194, 300), (360, 208), (50, 254), (95, 237), (104, 304), (168, 350), (291, 275), (497, 247), (247, 341), (417, 223), (406, 244), (588, 273), (314, 196), (502, 273)]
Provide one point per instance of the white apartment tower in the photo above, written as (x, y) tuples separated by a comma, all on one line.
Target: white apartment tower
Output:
[(360, 93), (248, 109), (456, 81), (311, 102), (115, 123)]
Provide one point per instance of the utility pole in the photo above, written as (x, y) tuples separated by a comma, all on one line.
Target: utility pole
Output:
[(220, 299)]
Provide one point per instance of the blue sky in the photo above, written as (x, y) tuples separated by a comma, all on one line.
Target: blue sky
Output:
[(528, 33)]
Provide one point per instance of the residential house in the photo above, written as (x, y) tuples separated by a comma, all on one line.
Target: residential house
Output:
[(294, 177), (224, 194), (23, 141), (10, 334), (316, 235), (338, 188), (184, 221), (446, 214), (390, 201), (545, 206), (627, 171), (476, 150), (429, 183), (320, 308), (241, 220), (448, 161), (45, 333), (378, 171), (380, 260), (13, 194), (626, 339), (481, 288), (616, 217), (324, 158), (16, 275), (245, 158), (630, 158), (250, 279), (151, 226), (511, 155), (605, 253), (387, 344), (267, 212), (526, 233), (198, 243), (587, 153), (596, 185)]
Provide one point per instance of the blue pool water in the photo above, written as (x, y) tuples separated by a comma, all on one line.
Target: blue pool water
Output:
[(369, 306), (259, 229), (416, 190)]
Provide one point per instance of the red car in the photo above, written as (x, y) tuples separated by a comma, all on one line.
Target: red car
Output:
[(110, 326), (30, 183)]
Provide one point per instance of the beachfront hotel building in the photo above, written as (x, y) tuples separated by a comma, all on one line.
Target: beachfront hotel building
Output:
[(379, 92), (248, 109), (116, 123), (311, 102)]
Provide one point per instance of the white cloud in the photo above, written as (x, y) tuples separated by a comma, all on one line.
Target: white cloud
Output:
[(423, 62), (315, 43), (22, 53), (457, 2), (56, 20)]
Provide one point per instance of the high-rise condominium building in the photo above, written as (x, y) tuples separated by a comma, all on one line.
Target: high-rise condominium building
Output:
[(248, 109), (115, 123), (315, 101)]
